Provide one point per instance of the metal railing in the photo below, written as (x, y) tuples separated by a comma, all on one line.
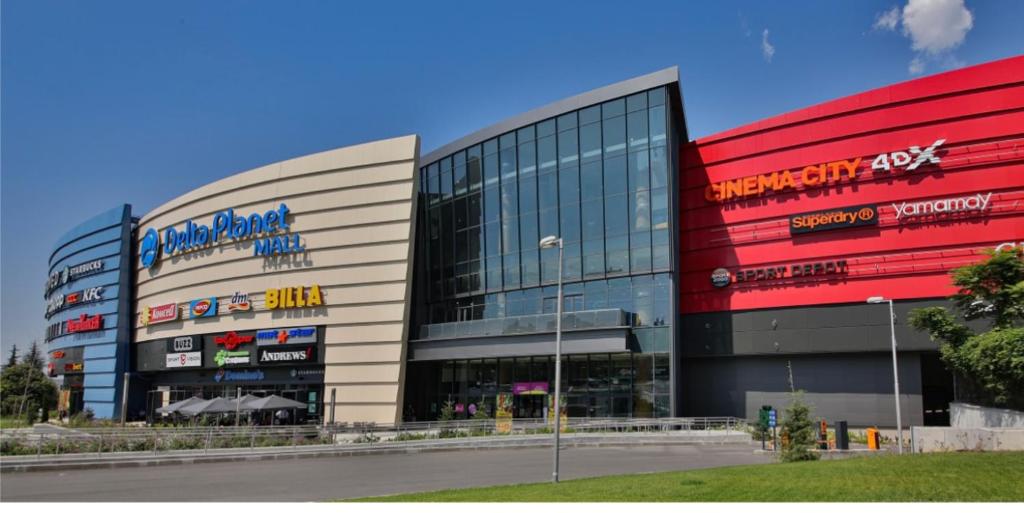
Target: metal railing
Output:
[(102, 440), (525, 324)]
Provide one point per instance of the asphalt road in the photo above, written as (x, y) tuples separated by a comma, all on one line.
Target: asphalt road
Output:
[(337, 477)]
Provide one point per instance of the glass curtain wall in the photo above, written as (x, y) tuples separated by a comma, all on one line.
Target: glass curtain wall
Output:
[(596, 177)]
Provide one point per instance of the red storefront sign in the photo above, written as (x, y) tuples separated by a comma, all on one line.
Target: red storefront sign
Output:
[(85, 323), (232, 340), (157, 314)]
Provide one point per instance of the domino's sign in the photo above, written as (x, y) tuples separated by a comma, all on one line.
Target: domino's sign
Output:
[(265, 230)]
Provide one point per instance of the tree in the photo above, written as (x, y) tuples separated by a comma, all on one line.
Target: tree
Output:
[(25, 389), (34, 357), (12, 359), (991, 363), (798, 430)]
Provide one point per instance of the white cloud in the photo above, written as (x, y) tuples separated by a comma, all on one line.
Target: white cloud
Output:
[(767, 50), (936, 26), (887, 20), (916, 66)]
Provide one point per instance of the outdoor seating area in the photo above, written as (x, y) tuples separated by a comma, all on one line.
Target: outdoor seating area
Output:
[(245, 410)]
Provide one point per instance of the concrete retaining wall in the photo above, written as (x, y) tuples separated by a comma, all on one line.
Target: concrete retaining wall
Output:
[(967, 416), (942, 439)]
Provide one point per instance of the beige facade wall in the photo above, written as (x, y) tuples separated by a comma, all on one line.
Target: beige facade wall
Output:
[(354, 209)]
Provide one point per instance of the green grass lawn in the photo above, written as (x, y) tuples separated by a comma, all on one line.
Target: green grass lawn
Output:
[(12, 422), (924, 477)]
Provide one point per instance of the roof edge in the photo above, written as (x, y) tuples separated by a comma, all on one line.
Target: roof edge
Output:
[(636, 84)]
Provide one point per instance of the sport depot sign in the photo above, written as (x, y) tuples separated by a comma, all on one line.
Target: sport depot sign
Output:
[(820, 175)]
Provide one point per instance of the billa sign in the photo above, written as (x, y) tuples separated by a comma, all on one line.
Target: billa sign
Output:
[(846, 217), (157, 314), (293, 297), (268, 355)]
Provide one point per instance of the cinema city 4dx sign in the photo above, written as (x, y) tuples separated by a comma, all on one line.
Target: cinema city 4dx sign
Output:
[(226, 226), (820, 175)]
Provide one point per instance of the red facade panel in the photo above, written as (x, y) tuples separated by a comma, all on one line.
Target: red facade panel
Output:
[(950, 184)]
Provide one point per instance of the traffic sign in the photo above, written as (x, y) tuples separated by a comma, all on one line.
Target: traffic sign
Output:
[(771, 418)]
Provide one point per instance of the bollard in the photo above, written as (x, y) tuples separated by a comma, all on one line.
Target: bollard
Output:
[(873, 439), (842, 436)]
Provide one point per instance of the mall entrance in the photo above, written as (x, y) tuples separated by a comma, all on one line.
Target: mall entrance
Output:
[(529, 406)]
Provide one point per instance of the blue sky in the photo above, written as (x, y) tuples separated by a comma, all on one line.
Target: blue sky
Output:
[(138, 102)]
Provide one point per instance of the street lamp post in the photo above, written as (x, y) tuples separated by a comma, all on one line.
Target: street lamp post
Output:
[(549, 242), (895, 371)]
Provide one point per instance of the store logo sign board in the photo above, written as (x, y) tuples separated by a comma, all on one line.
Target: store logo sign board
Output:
[(179, 360), (226, 226), (286, 336), (185, 344), (721, 277), (231, 358), (239, 303), (205, 307), (293, 297), (84, 323), (976, 203), (61, 301), (231, 340), (228, 375), (828, 267), (819, 175), (277, 354), (158, 314), (846, 217), (69, 274)]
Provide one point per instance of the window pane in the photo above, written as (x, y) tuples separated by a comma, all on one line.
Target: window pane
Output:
[(659, 167), (593, 217), (614, 131), (491, 169), (613, 108), (473, 165), (616, 215), (530, 262), (474, 210), (639, 171), (599, 369), (617, 254), (528, 194), (507, 141), (492, 204), (491, 147), (593, 258), (640, 212), (549, 265), (525, 134), (492, 239), (570, 222), (571, 265), (511, 270), (659, 208), (547, 190), (566, 121), (494, 271), (507, 156), (568, 185), (590, 141), (658, 126), (446, 185), (615, 176), (527, 159), (545, 128), (528, 231), (568, 149), (460, 213), (592, 179), (461, 181), (509, 199), (546, 154), (636, 127), (656, 96), (548, 222), (509, 235), (636, 102)]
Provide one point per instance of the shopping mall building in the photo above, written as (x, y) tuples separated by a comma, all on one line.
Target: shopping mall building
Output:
[(375, 282)]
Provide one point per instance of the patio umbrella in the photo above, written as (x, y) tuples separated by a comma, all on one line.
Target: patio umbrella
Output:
[(243, 403), (215, 405), (174, 407), (274, 402)]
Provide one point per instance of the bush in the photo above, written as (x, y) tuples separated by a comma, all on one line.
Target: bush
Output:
[(410, 437), (798, 431)]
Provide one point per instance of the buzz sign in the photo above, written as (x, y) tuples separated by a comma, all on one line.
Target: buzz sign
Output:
[(771, 419)]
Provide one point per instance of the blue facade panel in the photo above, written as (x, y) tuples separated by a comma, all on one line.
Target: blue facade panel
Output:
[(103, 238)]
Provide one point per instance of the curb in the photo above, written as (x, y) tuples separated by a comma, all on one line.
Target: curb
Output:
[(334, 451)]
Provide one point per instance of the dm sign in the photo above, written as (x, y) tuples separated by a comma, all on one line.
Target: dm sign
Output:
[(226, 226)]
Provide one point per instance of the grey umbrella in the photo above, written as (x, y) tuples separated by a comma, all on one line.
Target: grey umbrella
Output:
[(274, 402), (244, 403), (174, 407), (215, 405)]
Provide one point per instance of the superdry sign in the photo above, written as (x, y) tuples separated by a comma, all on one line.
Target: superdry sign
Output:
[(226, 226), (285, 354), (834, 219)]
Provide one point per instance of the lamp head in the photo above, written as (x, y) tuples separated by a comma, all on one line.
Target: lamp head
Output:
[(876, 299), (550, 241)]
